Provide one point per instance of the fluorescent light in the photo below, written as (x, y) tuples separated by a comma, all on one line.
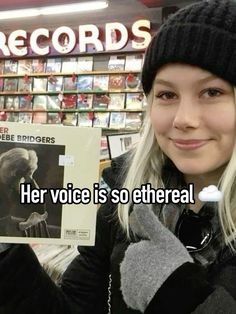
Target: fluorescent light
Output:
[(14, 14), (69, 8), (54, 9)]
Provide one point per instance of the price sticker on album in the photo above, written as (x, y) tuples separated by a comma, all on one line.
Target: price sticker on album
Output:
[(66, 160)]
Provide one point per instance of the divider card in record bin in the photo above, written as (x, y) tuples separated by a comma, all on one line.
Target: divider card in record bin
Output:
[(47, 176)]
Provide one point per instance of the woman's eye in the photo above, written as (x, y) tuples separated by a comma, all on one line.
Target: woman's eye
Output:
[(166, 95), (212, 92)]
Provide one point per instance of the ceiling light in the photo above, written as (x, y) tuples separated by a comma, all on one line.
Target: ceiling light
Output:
[(14, 14), (78, 7), (54, 9)]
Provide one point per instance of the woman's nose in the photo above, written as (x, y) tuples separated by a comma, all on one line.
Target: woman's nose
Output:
[(187, 115)]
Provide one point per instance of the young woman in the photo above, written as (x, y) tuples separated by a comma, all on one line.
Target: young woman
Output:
[(159, 258)]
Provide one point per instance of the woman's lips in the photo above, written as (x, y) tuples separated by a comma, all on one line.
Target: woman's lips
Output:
[(189, 144)]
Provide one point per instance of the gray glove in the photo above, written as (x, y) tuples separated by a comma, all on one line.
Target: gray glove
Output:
[(148, 263)]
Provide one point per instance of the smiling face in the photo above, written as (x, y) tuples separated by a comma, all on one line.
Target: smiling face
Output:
[(193, 116)]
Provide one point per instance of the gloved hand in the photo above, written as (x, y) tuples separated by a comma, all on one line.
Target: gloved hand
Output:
[(148, 263)]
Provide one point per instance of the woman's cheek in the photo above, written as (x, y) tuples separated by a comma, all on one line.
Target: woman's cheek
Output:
[(225, 125), (160, 122)]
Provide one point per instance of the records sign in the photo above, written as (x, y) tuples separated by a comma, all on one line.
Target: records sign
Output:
[(64, 40), (46, 180)]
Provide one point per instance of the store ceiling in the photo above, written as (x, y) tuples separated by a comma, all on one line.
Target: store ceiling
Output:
[(118, 10)]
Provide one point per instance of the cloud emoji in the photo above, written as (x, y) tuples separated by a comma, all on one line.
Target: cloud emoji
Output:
[(210, 194)]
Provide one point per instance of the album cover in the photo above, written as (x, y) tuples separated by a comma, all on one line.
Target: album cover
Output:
[(2, 102), (25, 117), (40, 84), (85, 83), (3, 115), (133, 120), (134, 101), (116, 82), (55, 83), (1, 83), (53, 103), (133, 82), (24, 66), (84, 101), (10, 66), (69, 65), (69, 101), (100, 101), (117, 63), (54, 118), (85, 64), (100, 83), (134, 62), (12, 103), (69, 165), (38, 65), (25, 102), (69, 118), (53, 65), (85, 119), (117, 120), (25, 84), (117, 101), (40, 102), (11, 117), (10, 84), (101, 119), (39, 117), (100, 62), (2, 66), (70, 84)]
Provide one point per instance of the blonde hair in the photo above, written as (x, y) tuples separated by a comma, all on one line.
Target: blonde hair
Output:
[(16, 161), (145, 166)]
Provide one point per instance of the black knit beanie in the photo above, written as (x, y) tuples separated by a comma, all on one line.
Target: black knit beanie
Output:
[(201, 34)]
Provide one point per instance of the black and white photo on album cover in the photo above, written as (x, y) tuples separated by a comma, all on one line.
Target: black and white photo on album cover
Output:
[(42, 172)]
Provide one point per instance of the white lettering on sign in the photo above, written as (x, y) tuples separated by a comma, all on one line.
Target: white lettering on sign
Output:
[(14, 42), (111, 42), (69, 42), (64, 39), (141, 34), (42, 51), (88, 34), (3, 45)]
